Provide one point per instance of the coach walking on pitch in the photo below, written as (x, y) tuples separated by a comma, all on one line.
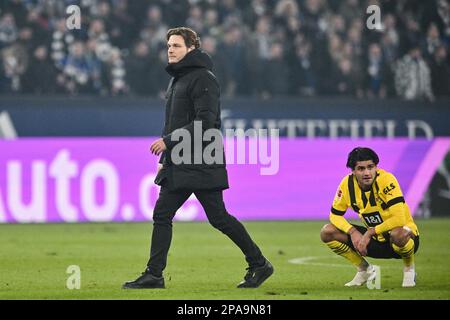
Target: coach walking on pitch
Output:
[(193, 95)]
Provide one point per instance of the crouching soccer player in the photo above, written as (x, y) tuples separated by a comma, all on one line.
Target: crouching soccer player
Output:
[(389, 231)]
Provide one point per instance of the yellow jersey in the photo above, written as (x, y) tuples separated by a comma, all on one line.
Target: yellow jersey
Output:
[(383, 207)]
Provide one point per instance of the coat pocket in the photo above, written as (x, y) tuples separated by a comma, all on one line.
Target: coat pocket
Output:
[(198, 178), (163, 177)]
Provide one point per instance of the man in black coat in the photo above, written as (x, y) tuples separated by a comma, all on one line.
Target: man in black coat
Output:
[(192, 104)]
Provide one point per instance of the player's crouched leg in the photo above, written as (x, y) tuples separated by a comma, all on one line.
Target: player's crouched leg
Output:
[(337, 241), (326, 233), (330, 233), (403, 244)]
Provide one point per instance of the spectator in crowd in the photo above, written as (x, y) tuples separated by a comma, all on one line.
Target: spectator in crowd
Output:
[(336, 48), (114, 73), (377, 73), (227, 8), (412, 76), (209, 45), (154, 30), (314, 16), (122, 27), (17, 9), (61, 39), (443, 12), (440, 72), (195, 19), (138, 66), (411, 34), (39, 24), (349, 9), (277, 73), (100, 37), (211, 24), (233, 49), (431, 42), (8, 30), (158, 76), (80, 71), (15, 62), (390, 40), (40, 77), (260, 43), (303, 72), (255, 10), (286, 9), (343, 79)]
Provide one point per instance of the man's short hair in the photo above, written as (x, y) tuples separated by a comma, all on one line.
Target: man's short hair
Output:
[(361, 154), (190, 36)]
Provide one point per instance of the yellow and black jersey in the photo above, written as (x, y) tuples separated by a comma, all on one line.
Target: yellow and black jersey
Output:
[(382, 207)]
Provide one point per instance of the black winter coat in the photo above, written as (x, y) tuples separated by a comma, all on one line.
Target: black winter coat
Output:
[(193, 95)]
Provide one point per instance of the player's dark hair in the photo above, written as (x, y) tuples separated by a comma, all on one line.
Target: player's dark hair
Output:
[(190, 36), (361, 154)]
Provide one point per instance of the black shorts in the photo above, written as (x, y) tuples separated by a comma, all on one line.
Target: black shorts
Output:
[(381, 250)]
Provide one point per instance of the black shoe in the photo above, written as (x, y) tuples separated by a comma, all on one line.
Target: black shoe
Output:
[(256, 276), (145, 281)]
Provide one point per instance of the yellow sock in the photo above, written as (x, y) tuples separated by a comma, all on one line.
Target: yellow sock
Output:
[(345, 251), (406, 252)]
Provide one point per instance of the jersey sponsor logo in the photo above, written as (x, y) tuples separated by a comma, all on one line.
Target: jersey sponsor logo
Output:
[(389, 188), (372, 219)]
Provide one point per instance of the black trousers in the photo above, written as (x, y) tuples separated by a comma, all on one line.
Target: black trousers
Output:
[(212, 202)]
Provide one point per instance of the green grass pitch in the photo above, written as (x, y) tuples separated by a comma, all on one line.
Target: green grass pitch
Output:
[(204, 264)]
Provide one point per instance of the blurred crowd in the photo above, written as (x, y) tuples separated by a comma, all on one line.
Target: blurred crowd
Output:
[(261, 48)]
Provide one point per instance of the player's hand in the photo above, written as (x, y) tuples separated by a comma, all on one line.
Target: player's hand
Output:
[(356, 237), (362, 246), (158, 147)]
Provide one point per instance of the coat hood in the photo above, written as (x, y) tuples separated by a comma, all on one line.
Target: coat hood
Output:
[(193, 60)]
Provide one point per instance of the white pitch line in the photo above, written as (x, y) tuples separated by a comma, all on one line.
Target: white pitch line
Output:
[(309, 260)]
